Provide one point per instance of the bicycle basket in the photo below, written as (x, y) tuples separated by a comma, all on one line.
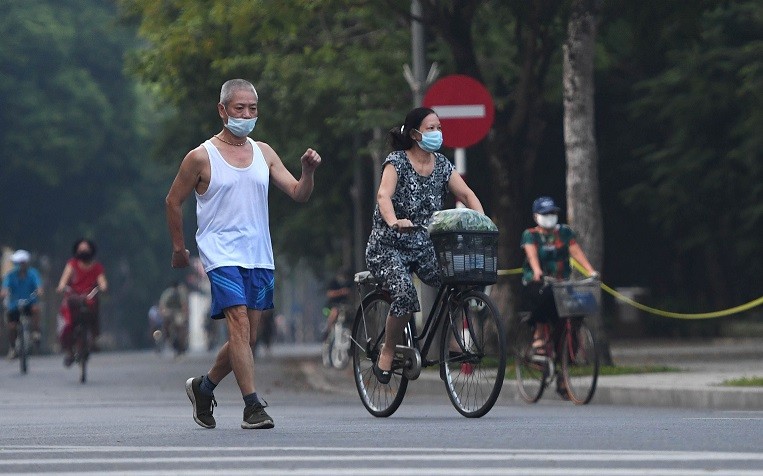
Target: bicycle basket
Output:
[(576, 298), (467, 257)]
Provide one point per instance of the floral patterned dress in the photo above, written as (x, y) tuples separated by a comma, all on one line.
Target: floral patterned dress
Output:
[(392, 256)]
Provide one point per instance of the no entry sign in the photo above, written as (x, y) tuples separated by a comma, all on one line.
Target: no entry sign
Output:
[(465, 108)]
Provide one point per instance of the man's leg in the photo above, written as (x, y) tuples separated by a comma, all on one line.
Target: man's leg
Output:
[(230, 358), (236, 354), (255, 416), (12, 334), (35, 313)]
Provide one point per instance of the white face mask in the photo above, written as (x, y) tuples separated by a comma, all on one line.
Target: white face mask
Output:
[(547, 221)]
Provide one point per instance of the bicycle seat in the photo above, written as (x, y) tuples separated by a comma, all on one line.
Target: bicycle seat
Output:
[(365, 277)]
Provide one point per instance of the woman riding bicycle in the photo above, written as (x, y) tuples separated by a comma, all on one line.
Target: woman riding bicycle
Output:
[(81, 275), (415, 180), (548, 248)]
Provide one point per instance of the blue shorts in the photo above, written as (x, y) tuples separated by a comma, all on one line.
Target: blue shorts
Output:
[(237, 286)]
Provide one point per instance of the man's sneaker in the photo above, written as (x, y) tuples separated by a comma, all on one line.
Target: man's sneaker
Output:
[(202, 405), (256, 418)]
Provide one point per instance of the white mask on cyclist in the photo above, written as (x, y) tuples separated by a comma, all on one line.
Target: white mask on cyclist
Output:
[(546, 221)]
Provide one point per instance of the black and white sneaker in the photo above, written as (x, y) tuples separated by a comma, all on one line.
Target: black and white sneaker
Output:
[(202, 405), (255, 418)]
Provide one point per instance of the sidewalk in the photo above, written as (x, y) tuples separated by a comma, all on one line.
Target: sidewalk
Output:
[(701, 368)]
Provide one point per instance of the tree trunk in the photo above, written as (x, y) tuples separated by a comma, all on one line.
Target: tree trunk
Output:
[(583, 206)]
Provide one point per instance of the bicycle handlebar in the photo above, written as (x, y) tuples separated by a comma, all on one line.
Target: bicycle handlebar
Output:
[(409, 229), (25, 301), (69, 291)]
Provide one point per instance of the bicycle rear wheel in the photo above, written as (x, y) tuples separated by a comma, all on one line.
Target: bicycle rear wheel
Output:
[(580, 363), (531, 369), (83, 367), (473, 354), (81, 346), (367, 337)]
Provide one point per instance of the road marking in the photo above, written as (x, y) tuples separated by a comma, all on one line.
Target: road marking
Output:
[(463, 111), (725, 418), (381, 454), (521, 471), (341, 461)]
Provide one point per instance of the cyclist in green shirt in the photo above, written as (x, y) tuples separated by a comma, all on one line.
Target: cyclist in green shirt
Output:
[(548, 248)]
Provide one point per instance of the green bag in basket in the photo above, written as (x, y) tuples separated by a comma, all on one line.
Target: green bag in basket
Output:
[(460, 219)]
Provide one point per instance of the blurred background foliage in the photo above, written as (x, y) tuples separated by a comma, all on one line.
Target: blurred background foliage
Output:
[(100, 100)]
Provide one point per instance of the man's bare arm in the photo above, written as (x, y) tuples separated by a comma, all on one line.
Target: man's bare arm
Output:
[(187, 178), (298, 190)]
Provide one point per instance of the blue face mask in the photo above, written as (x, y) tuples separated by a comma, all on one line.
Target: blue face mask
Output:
[(431, 141), (241, 127)]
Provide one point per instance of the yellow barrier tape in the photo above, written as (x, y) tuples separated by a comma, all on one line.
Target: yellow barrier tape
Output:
[(651, 310)]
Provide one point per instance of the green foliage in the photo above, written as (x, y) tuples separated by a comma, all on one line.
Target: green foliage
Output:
[(72, 138), (701, 158), (744, 382)]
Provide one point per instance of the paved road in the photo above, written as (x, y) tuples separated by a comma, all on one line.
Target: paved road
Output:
[(133, 418)]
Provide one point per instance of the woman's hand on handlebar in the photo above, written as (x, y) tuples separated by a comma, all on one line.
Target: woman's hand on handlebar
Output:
[(405, 225)]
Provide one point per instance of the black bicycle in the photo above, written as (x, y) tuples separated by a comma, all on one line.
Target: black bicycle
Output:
[(472, 349), (82, 319), (569, 352), (24, 333)]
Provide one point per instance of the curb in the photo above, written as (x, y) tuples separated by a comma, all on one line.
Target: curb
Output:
[(636, 391)]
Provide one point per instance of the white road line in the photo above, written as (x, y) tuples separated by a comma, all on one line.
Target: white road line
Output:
[(726, 418), (463, 111), (464, 456), (523, 471), (426, 451)]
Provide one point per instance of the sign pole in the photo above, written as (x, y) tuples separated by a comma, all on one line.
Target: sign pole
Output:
[(459, 156)]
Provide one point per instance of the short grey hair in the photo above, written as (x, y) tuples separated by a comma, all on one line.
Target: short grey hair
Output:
[(233, 85)]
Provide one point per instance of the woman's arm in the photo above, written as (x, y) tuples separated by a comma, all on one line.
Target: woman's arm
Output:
[(577, 253), (65, 276), (463, 193), (531, 250), (103, 285), (384, 198)]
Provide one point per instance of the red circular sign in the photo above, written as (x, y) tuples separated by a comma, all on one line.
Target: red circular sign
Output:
[(465, 108)]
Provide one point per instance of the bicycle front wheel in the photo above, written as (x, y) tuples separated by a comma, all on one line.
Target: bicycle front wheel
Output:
[(340, 350), (473, 354), (531, 369), (367, 337), (580, 363), (23, 346)]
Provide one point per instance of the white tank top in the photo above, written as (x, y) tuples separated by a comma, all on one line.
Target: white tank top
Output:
[(232, 214)]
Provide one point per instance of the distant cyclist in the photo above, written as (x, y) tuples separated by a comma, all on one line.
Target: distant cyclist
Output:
[(22, 283), (173, 306), (338, 294), (548, 248), (81, 275)]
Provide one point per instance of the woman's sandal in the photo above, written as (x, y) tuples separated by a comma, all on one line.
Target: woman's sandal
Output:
[(383, 376)]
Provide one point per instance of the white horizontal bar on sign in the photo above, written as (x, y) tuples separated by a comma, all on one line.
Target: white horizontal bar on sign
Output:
[(464, 111)]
